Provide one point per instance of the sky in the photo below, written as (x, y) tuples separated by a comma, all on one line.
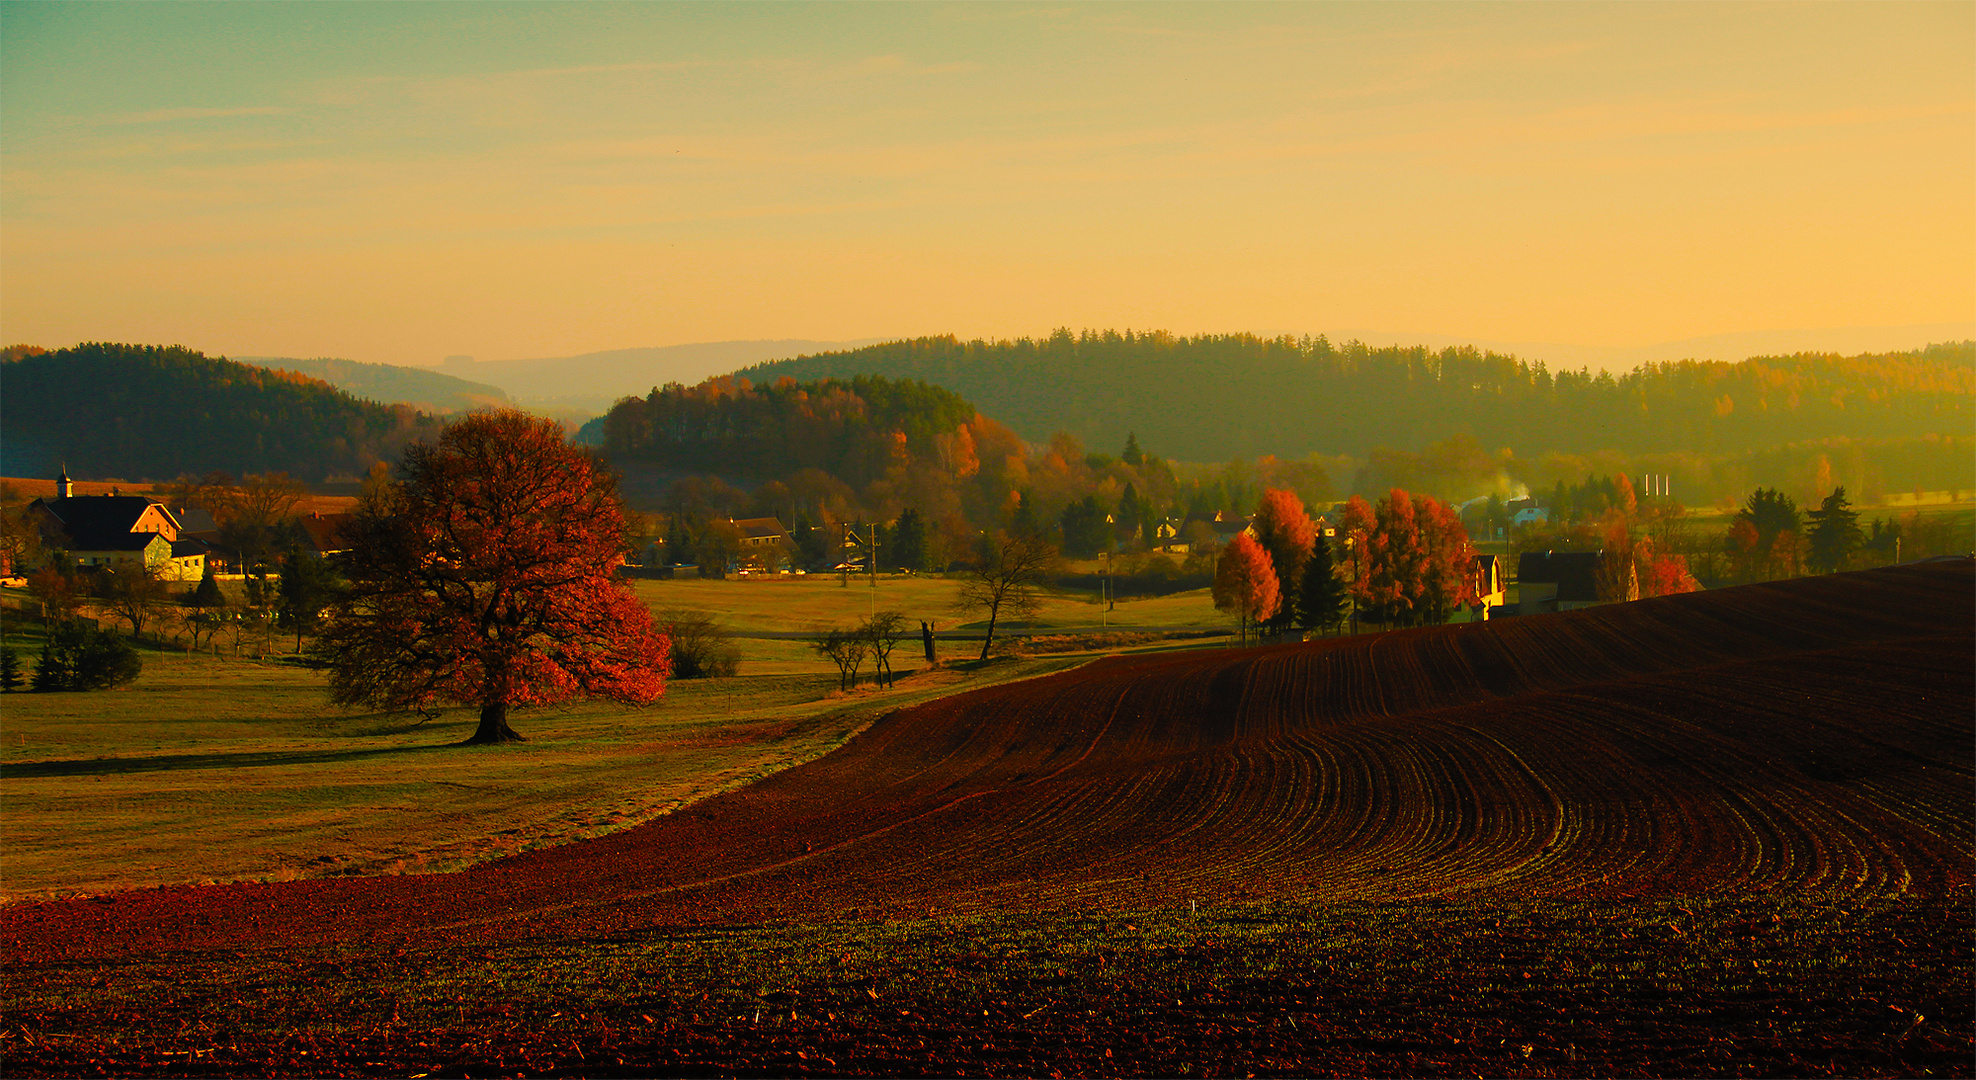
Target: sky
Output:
[(400, 182)]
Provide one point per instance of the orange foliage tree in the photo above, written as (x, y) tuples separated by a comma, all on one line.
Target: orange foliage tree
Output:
[(1447, 578), (1667, 575), (1245, 582), (484, 576), (1285, 531), (1410, 560)]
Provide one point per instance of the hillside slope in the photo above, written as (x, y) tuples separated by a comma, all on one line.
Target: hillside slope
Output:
[(1213, 398), (389, 384), (145, 412), (1807, 738), (591, 382)]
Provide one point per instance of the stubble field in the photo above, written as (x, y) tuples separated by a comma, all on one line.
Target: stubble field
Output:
[(1727, 832)]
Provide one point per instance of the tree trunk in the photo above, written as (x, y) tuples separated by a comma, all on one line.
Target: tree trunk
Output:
[(494, 727), (989, 638)]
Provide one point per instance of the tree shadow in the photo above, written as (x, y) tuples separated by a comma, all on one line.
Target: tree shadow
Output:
[(181, 762)]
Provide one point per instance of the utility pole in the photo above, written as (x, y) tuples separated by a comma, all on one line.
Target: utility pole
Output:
[(1104, 600)]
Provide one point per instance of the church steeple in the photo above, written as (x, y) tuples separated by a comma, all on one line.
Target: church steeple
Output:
[(64, 487)]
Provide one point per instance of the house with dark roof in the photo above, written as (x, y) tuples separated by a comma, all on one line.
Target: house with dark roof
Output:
[(1557, 580), (324, 535), (765, 545), (117, 530)]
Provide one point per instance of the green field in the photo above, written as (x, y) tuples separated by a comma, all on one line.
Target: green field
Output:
[(236, 767)]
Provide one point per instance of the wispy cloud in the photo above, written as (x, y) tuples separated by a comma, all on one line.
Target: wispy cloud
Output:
[(608, 69), (165, 116)]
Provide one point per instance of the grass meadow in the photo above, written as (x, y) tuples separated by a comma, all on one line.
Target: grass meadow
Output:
[(213, 768)]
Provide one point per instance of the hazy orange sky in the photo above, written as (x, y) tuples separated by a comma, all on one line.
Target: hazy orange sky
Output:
[(397, 182)]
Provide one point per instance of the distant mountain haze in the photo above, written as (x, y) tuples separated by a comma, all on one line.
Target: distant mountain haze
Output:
[(591, 382), (390, 384)]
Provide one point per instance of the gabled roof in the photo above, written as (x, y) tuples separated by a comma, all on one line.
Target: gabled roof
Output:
[(327, 532), (128, 541), (94, 522), (757, 528), (192, 519), (1576, 572)]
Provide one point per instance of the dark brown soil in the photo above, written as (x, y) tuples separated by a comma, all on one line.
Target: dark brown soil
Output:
[(1802, 743)]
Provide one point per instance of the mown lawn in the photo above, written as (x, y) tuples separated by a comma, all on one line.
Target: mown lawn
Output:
[(225, 769), (235, 767)]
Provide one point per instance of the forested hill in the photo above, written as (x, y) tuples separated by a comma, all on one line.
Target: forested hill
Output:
[(830, 443), (145, 412), (1214, 398), (389, 384)]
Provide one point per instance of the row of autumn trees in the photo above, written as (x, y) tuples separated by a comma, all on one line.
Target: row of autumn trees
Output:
[(1767, 538), (834, 453), (1406, 561)]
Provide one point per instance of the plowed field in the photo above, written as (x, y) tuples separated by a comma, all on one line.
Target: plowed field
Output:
[(1808, 739)]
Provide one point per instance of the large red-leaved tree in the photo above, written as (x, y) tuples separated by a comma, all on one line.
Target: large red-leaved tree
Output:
[(1245, 582), (483, 576)]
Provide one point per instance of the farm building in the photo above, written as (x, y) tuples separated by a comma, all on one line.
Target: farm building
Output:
[(1557, 581), (326, 534), (765, 545), (115, 530)]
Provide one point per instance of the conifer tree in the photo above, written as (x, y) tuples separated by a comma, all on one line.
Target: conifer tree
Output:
[(908, 541), (208, 594), (48, 671), (10, 670), (1322, 597), (1834, 535)]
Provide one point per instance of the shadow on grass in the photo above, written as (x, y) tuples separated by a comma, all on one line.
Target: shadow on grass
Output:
[(177, 762)]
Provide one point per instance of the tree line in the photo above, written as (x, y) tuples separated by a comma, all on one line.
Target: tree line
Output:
[(1768, 537), (150, 412), (912, 466), (1198, 392)]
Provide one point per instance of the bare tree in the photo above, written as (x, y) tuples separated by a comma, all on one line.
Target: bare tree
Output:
[(1009, 581), (135, 595), (253, 513), (882, 633), (20, 540), (846, 649), (55, 591), (702, 648)]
